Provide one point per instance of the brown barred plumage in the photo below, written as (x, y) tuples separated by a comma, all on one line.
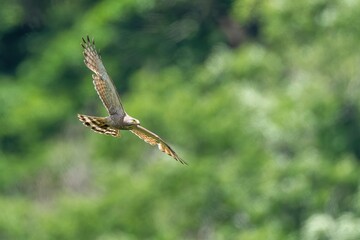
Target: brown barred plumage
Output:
[(98, 124), (118, 119)]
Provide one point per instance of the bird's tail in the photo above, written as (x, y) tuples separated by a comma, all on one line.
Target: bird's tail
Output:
[(99, 125)]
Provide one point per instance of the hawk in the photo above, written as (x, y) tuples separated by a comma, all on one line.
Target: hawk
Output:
[(118, 119)]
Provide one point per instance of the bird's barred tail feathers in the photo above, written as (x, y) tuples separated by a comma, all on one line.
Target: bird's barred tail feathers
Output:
[(98, 124)]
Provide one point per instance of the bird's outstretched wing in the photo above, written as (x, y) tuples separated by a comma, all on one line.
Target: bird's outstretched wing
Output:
[(102, 82), (154, 139)]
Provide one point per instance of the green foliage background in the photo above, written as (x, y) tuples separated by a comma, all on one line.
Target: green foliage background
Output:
[(259, 97)]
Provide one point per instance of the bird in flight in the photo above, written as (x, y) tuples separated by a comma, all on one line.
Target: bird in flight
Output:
[(118, 119)]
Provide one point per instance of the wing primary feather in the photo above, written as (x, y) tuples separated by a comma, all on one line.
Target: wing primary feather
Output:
[(102, 82), (154, 139)]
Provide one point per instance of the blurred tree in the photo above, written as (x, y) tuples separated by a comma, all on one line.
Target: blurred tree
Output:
[(260, 97)]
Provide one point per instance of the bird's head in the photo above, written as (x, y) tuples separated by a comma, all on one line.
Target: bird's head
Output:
[(130, 121)]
